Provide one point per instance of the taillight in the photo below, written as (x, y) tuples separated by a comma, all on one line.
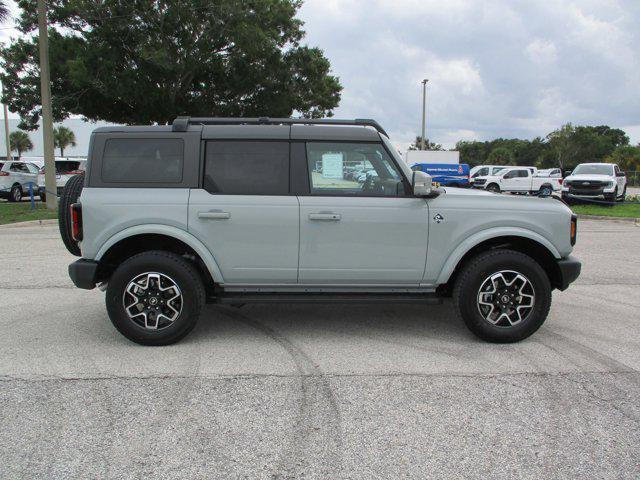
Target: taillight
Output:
[(4, 174), (574, 229), (76, 222), (560, 180)]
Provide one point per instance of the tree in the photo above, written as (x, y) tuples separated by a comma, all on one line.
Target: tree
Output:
[(627, 157), (427, 144), (63, 137), (147, 61), (20, 142), (4, 12), (501, 156)]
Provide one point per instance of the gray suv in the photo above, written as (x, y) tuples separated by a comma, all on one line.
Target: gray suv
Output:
[(241, 210)]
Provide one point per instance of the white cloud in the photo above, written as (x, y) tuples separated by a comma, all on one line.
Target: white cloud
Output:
[(496, 67)]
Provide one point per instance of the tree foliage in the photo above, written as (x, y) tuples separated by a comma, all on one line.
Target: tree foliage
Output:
[(20, 142), (147, 61), (565, 147), (4, 11), (627, 157), (428, 145), (63, 137)]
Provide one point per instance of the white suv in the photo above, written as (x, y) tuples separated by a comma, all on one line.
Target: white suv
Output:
[(15, 179), (596, 180)]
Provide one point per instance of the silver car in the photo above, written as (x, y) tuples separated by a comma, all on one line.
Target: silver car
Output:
[(18, 179), (245, 210)]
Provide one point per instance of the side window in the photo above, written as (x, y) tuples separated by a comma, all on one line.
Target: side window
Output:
[(482, 172), (511, 174), (18, 168), (32, 168), (143, 160), (352, 169), (247, 168), (523, 173)]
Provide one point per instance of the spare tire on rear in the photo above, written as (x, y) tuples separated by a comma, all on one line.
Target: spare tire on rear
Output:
[(70, 195)]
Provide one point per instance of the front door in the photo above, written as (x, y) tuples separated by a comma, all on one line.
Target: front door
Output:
[(359, 229), (244, 213)]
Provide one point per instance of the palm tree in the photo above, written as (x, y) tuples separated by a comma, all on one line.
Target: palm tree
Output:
[(20, 142), (62, 138), (4, 12)]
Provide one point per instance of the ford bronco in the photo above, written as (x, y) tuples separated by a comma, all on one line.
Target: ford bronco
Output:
[(241, 210)]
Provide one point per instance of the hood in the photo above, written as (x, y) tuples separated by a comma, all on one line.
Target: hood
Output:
[(465, 191), (588, 177)]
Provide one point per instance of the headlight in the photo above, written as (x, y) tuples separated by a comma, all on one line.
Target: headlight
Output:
[(610, 184)]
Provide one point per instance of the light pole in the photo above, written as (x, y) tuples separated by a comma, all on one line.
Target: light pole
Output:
[(424, 111)]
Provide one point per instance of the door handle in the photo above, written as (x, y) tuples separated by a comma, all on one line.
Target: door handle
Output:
[(214, 215), (327, 217)]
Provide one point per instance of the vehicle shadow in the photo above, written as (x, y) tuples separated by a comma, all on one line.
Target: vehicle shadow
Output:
[(407, 324)]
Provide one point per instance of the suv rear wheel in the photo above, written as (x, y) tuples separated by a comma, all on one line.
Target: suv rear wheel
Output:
[(503, 296), (155, 298)]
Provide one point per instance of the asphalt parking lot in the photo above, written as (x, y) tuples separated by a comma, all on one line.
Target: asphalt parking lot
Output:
[(319, 391)]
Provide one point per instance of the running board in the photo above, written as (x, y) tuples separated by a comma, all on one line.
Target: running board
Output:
[(240, 298)]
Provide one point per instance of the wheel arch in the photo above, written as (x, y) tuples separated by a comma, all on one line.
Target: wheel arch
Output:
[(520, 240), (133, 240)]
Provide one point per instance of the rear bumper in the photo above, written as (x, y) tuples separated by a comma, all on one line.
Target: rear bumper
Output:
[(83, 273), (569, 269)]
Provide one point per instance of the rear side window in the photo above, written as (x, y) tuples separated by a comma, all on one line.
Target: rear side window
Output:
[(143, 160), (247, 168)]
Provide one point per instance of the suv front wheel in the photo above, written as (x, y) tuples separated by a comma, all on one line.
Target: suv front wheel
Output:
[(503, 296), (155, 298)]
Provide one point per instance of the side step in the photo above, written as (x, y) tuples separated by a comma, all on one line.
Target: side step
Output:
[(239, 298)]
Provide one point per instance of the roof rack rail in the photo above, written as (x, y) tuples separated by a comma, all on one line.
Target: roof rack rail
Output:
[(180, 124)]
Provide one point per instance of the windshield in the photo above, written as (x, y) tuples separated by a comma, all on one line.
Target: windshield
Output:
[(593, 169), (403, 166)]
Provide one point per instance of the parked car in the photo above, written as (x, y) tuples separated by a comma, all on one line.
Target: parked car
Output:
[(65, 169), (519, 180), (16, 178), (484, 171), (596, 180), (244, 219), (445, 174)]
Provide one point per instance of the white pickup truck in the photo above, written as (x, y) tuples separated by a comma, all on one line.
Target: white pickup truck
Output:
[(520, 180)]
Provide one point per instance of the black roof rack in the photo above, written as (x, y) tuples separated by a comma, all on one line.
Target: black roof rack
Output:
[(180, 124)]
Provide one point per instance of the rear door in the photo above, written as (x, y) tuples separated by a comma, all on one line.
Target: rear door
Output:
[(244, 213), (359, 232)]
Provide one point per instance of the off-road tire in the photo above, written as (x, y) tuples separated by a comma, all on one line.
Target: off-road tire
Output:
[(545, 191), (183, 273), (470, 280), (70, 195), (493, 187)]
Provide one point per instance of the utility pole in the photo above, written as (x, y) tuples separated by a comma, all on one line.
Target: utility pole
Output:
[(47, 115), (424, 111), (6, 127)]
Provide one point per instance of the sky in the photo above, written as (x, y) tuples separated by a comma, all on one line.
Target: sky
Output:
[(496, 68)]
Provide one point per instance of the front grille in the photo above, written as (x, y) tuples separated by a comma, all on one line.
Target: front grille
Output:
[(587, 185)]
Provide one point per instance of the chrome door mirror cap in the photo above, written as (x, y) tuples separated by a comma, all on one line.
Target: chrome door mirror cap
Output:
[(421, 184)]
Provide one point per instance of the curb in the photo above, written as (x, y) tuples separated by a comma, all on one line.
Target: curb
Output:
[(611, 219), (31, 223)]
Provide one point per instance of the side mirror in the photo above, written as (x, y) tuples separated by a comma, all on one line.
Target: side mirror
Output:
[(421, 184), (621, 174)]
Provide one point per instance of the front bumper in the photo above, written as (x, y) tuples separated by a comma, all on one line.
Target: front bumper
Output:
[(568, 271), (83, 273)]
